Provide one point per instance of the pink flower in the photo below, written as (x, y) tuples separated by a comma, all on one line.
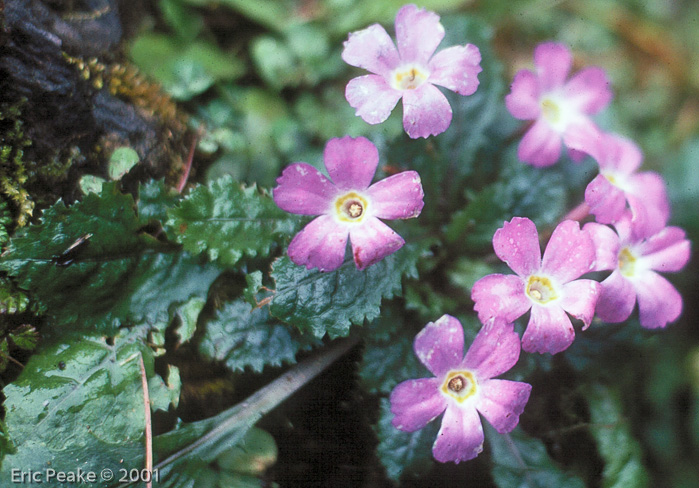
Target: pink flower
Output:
[(634, 260), (619, 186), (409, 72), (544, 286), (462, 387), (347, 205), (559, 107)]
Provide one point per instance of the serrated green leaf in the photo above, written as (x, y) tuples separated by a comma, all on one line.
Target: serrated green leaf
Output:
[(404, 453), (253, 285), (621, 452), (5, 222), (188, 314), (112, 275), (165, 393), (155, 198), (330, 303), (12, 300), (121, 162), (87, 412), (91, 184), (521, 461), (228, 221), (25, 337), (241, 336)]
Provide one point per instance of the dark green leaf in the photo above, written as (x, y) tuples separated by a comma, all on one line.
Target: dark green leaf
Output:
[(155, 198), (25, 337), (320, 302), (242, 336), (228, 221)]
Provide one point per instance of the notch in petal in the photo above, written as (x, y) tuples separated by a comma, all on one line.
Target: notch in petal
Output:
[(440, 345)]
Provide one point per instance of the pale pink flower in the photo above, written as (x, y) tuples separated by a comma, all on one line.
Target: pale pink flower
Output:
[(462, 387), (559, 106), (409, 72), (347, 206), (548, 287)]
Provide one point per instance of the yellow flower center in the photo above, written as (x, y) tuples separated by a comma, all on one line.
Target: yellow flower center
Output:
[(551, 110), (541, 290), (351, 207), (460, 385), (408, 77), (627, 262)]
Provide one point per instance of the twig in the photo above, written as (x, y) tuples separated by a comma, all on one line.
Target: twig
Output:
[(149, 429), (188, 165)]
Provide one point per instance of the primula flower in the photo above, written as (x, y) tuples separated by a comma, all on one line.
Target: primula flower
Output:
[(544, 286), (635, 260), (559, 108), (462, 387), (409, 72), (347, 205), (618, 185)]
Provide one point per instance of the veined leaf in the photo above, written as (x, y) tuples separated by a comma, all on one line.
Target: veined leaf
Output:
[(155, 198), (228, 221), (320, 302)]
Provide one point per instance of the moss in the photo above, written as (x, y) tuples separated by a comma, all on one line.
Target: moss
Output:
[(13, 169)]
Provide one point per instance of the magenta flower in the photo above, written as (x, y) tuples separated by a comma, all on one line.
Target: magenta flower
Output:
[(462, 387), (558, 107), (347, 205), (618, 186), (635, 261), (409, 72), (544, 286)]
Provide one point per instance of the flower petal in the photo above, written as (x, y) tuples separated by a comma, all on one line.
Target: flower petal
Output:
[(371, 49), (540, 146), (302, 189), (523, 99), (494, 350), (426, 111), (668, 250), (321, 244), (549, 330), (499, 295), (617, 153), (648, 200), (553, 62), (351, 162), (397, 197), (456, 68), (517, 244), (607, 202), (502, 402), (589, 90), (617, 299), (372, 241), (461, 436), (658, 301), (371, 96), (440, 345), (580, 299), (418, 33), (607, 246), (570, 252), (415, 403)]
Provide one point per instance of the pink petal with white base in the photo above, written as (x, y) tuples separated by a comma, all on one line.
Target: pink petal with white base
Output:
[(618, 153), (351, 163), (426, 111), (617, 299), (580, 299), (523, 99), (321, 244), (397, 197), (494, 350), (499, 295), (501, 402), (461, 436), (517, 244), (372, 241), (570, 253), (440, 345), (415, 403), (549, 330), (607, 202), (302, 189), (372, 98), (651, 198), (589, 90), (607, 246), (372, 49), (456, 68), (540, 146), (658, 301), (418, 33), (553, 62), (668, 250)]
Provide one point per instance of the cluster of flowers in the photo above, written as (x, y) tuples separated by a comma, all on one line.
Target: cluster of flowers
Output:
[(638, 244)]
